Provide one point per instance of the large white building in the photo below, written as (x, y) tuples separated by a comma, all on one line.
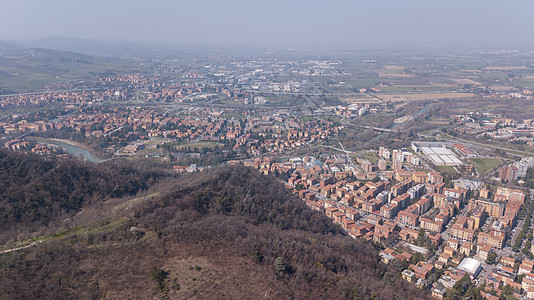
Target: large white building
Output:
[(470, 266), (438, 153)]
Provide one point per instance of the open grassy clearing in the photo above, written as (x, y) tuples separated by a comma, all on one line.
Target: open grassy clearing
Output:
[(130, 203), (104, 225), (524, 84), (483, 165), (447, 169), (370, 156), (199, 145)]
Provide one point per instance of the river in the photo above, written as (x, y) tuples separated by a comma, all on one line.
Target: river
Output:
[(72, 149)]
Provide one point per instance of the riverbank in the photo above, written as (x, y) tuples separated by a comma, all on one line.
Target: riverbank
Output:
[(72, 143), (71, 147)]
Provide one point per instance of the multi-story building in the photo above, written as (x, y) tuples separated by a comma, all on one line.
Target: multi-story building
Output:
[(506, 194), (459, 194), (397, 165), (424, 204), (419, 177), (402, 200), (367, 166), (382, 164), (416, 191), (494, 239), (509, 173), (435, 178), (466, 248), (461, 230), (431, 225), (493, 209), (478, 216), (527, 266), (389, 210), (408, 218), (401, 187), (444, 202)]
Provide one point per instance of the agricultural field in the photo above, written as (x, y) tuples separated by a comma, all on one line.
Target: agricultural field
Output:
[(406, 88), (360, 99), (408, 97)]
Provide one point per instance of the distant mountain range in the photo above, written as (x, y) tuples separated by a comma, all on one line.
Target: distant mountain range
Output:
[(150, 51), (48, 55), (115, 49), (88, 47)]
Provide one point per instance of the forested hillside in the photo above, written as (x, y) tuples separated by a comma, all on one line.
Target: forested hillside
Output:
[(226, 233), (34, 190)]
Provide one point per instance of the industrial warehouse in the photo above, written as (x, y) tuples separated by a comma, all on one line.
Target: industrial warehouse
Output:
[(438, 153)]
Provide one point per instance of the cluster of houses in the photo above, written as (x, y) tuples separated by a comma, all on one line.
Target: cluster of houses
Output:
[(495, 127), (274, 133), (461, 225), (67, 97)]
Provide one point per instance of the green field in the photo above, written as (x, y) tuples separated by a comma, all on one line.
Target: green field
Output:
[(370, 156), (199, 145), (363, 83), (447, 169), (412, 88), (417, 169), (524, 84), (483, 165)]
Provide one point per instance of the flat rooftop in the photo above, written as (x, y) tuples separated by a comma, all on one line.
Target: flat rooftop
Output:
[(441, 156)]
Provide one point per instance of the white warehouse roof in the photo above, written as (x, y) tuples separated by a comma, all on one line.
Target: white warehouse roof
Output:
[(471, 266)]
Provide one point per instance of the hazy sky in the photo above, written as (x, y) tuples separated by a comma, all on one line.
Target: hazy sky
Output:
[(277, 23)]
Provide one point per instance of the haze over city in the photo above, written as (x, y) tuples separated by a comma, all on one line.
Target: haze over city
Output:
[(337, 24)]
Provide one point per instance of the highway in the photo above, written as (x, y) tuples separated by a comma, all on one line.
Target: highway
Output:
[(51, 91)]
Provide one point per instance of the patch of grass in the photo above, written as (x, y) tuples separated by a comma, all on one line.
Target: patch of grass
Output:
[(447, 169), (363, 83), (155, 141), (412, 88), (417, 169), (524, 84), (198, 145), (305, 119), (231, 102), (483, 165), (130, 203), (104, 225), (370, 156)]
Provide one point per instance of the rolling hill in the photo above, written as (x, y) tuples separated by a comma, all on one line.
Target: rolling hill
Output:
[(30, 69)]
